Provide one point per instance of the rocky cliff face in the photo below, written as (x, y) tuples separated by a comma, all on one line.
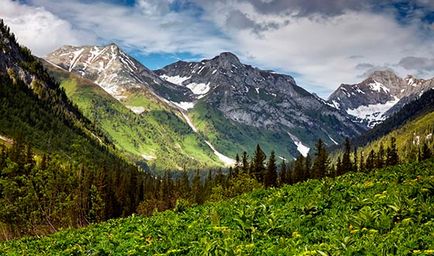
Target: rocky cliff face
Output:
[(377, 97)]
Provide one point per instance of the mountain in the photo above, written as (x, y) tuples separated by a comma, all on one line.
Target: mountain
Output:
[(378, 96), (120, 75), (159, 137), (412, 125), (159, 132), (236, 106)]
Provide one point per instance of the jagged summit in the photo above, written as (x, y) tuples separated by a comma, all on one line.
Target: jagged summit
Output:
[(226, 59), (114, 70), (381, 94)]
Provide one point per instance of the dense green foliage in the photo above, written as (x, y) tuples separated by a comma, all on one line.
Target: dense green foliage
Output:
[(385, 212)]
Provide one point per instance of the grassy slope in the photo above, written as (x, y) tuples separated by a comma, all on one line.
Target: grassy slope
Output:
[(386, 212), (158, 134), (406, 137)]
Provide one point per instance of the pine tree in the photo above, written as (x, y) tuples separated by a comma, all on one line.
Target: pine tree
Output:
[(347, 166), (270, 179), (283, 173), (380, 157), (392, 153), (297, 174), (257, 167), (245, 162), (371, 160), (237, 166), (321, 163)]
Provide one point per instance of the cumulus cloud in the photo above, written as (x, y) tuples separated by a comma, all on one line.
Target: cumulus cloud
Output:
[(38, 28), (150, 26), (417, 63)]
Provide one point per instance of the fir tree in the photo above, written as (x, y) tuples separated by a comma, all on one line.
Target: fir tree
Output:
[(321, 163), (245, 162), (392, 153), (270, 179), (257, 167), (347, 166)]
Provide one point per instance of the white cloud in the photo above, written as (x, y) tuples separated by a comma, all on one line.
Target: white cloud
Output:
[(37, 28), (148, 26), (318, 47)]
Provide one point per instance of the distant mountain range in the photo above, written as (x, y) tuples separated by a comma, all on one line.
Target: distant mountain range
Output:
[(378, 96), (229, 106)]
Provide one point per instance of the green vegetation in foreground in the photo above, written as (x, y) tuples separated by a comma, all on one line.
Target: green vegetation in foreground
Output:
[(385, 212), (157, 135)]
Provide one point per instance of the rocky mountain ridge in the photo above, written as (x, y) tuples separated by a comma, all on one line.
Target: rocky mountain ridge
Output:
[(378, 96)]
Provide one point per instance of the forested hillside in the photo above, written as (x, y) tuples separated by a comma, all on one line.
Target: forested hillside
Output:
[(383, 212)]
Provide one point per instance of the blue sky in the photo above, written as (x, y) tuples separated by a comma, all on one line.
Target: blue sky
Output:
[(321, 43)]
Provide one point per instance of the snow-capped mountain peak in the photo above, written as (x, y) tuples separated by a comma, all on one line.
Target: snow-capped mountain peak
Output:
[(114, 70), (378, 96)]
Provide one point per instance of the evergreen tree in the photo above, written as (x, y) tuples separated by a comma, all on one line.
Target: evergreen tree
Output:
[(257, 167), (392, 153), (270, 179), (245, 162), (321, 163), (380, 157), (237, 166), (347, 166), (297, 173), (370, 160), (356, 161)]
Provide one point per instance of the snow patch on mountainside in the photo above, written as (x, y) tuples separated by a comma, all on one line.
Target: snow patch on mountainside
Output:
[(184, 105), (303, 149), (376, 86), (226, 160), (199, 88), (332, 139), (178, 80), (373, 112)]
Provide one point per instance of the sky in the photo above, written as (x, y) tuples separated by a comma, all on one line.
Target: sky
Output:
[(320, 43)]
